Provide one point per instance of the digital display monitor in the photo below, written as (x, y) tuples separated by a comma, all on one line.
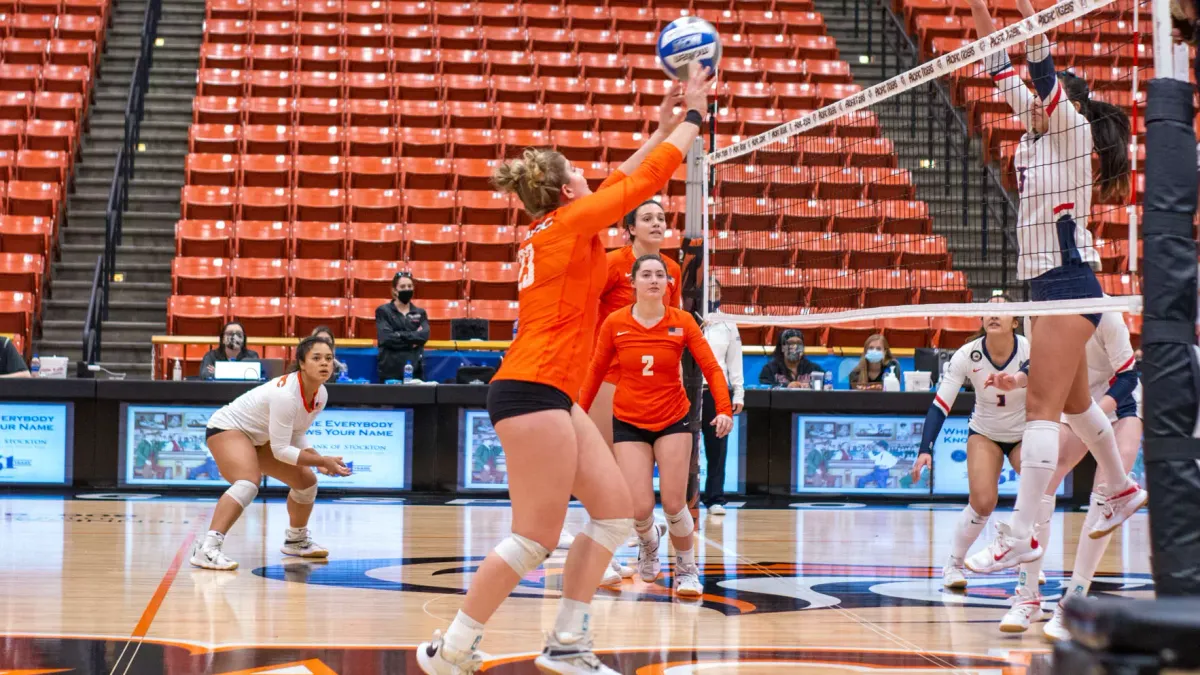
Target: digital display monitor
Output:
[(165, 445), (482, 466), (36, 443)]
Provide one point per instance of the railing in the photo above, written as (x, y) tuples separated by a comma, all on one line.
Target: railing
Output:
[(890, 46), (118, 194)]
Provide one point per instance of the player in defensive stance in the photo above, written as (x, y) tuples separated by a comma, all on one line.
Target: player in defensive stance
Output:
[(263, 432), (1055, 180), (995, 429), (553, 449), (650, 413), (1113, 381)]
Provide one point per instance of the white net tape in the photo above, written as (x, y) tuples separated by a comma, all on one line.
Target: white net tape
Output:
[(1001, 40)]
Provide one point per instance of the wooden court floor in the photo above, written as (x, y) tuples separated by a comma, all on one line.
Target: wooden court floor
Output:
[(103, 586)]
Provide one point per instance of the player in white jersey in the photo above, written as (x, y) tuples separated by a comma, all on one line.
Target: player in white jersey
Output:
[(1063, 128), (263, 432), (995, 429), (1113, 380)]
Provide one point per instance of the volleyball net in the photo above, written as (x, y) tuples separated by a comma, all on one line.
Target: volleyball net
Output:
[(843, 205)]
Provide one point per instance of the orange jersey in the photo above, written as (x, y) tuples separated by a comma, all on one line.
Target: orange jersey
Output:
[(561, 270), (650, 393), (618, 290)]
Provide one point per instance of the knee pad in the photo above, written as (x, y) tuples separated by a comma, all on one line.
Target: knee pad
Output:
[(610, 533), (1039, 445), (306, 496), (680, 524), (522, 555), (644, 525), (243, 492)]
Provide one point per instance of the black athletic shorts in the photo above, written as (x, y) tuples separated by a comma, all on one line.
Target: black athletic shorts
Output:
[(624, 432), (1006, 448), (510, 398), (209, 432)]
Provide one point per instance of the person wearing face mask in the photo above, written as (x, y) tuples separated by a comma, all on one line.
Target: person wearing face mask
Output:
[(402, 330), (231, 348), (876, 361), (788, 364), (726, 344)]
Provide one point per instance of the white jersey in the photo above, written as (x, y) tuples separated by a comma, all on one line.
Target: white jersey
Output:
[(1054, 172), (1109, 354), (276, 412), (998, 415)]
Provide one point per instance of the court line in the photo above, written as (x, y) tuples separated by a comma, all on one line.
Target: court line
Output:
[(869, 625)]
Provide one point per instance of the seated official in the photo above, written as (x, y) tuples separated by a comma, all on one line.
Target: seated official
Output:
[(11, 363), (876, 362), (231, 348), (788, 368)]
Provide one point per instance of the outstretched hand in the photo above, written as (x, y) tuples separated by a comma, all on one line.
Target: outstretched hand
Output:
[(695, 93), (924, 461)]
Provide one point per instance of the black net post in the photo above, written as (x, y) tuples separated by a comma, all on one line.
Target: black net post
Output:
[(1171, 374)]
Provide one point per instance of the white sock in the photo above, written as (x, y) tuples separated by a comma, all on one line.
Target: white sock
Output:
[(966, 531), (645, 530), (574, 617), (1088, 555), (1039, 458), (1093, 428), (213, 539), (1032, 570), (295, 533), (464, 634), (687, 557)]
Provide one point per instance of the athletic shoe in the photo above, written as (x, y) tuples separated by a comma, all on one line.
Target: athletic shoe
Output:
[(1004, 552), (304, 547), (1041, 578), (1025, 610), (434, 658), (1116, 509), (211, 558), (648, 564), (567, 654), (716, 510), (565, 539), (687, 581), (953, 576), (625, 571), (611, 577), (1054, 630)]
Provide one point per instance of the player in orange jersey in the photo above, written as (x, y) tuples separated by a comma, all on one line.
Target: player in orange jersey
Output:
[(650, 412), (551, 447)]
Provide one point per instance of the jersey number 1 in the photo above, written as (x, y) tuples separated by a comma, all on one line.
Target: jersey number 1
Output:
[(648, 361), (1000, 400)]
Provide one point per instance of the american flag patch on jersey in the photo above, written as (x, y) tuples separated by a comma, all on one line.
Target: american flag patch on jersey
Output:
[(675, 330)]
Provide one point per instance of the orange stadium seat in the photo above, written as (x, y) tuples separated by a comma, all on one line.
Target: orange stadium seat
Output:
[(318, 278), (372, 278), (204, 238), (260, 316), (441, 312), (319, 240), (196, 315), (26, 234), (500, 315), (492, 280), (433, 242), (308, 313), (264, 277), (438, 280), (16, 312), (200, 276)]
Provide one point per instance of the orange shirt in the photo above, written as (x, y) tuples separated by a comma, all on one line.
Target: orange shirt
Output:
[(650, 393), (618, 290), (562, 270)]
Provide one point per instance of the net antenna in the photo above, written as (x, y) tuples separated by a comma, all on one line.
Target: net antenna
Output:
[(779, 206)]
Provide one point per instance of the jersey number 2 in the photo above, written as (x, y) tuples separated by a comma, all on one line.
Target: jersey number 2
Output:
[(525, 267), (648, 361), (1000, 400)]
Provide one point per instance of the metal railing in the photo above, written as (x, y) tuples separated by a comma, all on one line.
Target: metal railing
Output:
[(118, 194)]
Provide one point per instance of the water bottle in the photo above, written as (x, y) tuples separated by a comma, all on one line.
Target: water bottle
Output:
[(35, 365), (828, 386), (177, 371), (890, 381), (408, 372)]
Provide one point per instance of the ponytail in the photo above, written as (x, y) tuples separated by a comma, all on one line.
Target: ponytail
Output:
[(1110, 137)]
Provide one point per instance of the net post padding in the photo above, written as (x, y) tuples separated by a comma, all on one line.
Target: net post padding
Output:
[(1001, 40), (1171, 373)]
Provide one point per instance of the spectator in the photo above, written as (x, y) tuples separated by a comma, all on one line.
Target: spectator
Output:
[(726, 344), (338, 366), (788, 368), (232, 347), (876, 361), (11, 363), (402, 330)]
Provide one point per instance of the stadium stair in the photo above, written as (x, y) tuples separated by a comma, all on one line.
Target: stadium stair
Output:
[(144, 258), (913, 145)]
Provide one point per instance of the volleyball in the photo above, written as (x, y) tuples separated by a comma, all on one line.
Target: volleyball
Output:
[(688, 40)]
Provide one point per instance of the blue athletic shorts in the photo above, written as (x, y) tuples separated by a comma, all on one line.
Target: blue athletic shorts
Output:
[(1072, 281)]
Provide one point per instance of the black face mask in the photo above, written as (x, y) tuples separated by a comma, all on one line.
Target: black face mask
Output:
[(404, 296)]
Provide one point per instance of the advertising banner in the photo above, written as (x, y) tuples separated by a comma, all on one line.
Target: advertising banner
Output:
[(36, 443)]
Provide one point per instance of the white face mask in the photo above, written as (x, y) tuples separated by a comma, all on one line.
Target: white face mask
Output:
[(874, 355)]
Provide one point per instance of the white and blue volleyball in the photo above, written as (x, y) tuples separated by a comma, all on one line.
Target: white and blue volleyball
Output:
[(688, 40)]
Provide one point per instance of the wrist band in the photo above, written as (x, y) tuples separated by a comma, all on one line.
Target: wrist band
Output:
[(694, 117)]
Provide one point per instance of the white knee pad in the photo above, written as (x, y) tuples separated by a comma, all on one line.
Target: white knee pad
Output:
[(680, 524), (306, 496), (610, 533), (1039, 445), (243, 492), (644, 525), (522, 555)]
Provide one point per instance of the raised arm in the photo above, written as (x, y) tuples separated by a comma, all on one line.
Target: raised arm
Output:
[(605, 350), (1012, 89), (668, 120)]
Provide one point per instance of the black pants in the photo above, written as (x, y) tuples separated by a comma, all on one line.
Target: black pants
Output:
[(715, 450)]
